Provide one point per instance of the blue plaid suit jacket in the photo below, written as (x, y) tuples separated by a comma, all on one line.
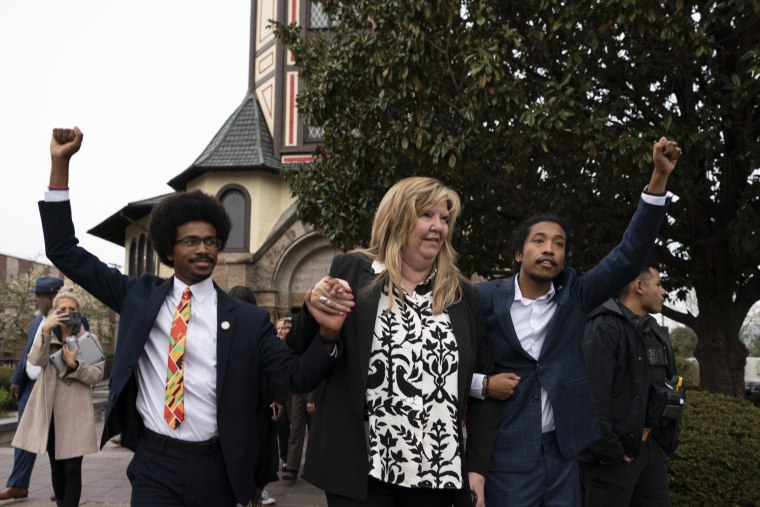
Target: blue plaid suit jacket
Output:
[(560, 366)]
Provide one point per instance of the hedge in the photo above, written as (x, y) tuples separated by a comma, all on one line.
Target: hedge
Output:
[(7, 404), (716, 463)]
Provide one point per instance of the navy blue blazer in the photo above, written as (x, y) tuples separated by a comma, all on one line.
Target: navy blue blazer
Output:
[(19, 377), (246, 348), (559, 368)]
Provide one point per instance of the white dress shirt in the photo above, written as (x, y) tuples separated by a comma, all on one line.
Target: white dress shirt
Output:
[(199, 369), (531, 318)]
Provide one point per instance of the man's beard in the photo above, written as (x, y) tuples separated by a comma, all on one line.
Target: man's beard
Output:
[(540, 279)]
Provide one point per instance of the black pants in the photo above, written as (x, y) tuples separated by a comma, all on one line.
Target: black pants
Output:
[(382, 494), (642, 482), (65, 473), (164, 477)]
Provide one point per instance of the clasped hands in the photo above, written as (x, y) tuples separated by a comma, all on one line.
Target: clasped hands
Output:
[(329, 302)]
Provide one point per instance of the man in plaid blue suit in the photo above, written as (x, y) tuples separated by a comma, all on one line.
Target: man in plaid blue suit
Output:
[(535, 322)]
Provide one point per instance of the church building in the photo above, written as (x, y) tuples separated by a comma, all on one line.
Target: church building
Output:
[(269, 249)]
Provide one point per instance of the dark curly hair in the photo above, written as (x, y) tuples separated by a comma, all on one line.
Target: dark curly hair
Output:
[(521, 234), (243, 293), (181, 208)]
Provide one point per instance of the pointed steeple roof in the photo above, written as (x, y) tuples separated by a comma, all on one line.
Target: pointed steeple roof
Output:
[(242, 144)]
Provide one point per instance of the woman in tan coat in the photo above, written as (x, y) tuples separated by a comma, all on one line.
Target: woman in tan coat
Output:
[(59, 417)]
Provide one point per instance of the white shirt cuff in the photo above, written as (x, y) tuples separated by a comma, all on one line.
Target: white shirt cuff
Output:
[(655, 200), (56, 195), (476, 387)]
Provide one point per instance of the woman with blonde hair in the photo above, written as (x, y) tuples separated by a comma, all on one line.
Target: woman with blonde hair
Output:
[(390, 426), (59, 416)]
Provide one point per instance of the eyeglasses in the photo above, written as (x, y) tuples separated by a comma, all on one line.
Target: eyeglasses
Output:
[(193, 242)]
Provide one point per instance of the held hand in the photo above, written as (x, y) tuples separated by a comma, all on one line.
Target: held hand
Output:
[(478, 486), (65, 143), (329, 323), (310, 407), (502, 386), (14, 391), (333, 296)]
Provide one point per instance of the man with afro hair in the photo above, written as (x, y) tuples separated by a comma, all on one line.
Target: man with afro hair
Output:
[(187, 368)]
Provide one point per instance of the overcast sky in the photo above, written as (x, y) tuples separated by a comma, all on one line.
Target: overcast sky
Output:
[(148, 82)]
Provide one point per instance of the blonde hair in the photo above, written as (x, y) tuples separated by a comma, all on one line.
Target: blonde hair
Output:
[(65, 295), (394, 222)]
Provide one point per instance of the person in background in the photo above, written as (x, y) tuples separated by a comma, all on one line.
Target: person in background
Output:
[(266, 471), (281, 402), (301, 408), (388, 429), (59, 418), (45, 289), (627, 353)]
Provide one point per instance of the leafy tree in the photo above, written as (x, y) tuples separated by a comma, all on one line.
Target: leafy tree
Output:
[(17, 297), (525, 107), (17, 309), (684, 341)]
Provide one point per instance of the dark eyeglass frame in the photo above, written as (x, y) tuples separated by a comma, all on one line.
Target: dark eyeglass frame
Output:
[(195, 241)]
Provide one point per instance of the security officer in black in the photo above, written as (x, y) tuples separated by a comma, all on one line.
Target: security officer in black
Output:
[(631, 366)]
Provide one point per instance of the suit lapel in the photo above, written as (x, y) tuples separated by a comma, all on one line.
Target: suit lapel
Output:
[(366, 310), (554, 332), (225, 326), (502, 302), (156, 299)]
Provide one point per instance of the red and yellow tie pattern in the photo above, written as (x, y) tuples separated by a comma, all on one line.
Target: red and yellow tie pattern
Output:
[(174, 396)]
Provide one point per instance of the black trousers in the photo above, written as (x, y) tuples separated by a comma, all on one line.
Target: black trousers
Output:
[(642, 482), (166, 477), (382, 494), (66, 474)]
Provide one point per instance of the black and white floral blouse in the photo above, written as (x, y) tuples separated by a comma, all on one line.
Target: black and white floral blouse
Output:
[(412, 394)]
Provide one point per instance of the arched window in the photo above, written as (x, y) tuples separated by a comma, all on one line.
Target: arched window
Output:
[(133, 258), (236, 201), (141, 255), (150, 258)]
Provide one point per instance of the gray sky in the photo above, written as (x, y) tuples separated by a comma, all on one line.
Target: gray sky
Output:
[(148, 82)]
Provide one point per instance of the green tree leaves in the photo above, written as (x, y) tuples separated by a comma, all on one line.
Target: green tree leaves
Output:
[(525, 107)]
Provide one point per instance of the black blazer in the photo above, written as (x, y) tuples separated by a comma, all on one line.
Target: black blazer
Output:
[(336, 457), (246, 348)]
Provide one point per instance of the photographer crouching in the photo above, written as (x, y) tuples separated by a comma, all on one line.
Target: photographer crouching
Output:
[(637, 397), (59, 417)]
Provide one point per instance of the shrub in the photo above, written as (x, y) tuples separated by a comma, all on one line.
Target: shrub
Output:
[(6, 403), (689, 370), (6, 373), (716, 461)]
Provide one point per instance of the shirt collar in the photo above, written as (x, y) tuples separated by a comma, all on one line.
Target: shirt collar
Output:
[(200, 290), (545, 297), (424, 286)]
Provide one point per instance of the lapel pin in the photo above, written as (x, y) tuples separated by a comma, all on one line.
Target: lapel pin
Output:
[(225, 325)]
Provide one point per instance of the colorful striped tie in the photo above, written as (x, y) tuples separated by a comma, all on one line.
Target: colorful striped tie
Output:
[(174, 396)]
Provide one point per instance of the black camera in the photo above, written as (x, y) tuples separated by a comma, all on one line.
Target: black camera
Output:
[(75, 319)]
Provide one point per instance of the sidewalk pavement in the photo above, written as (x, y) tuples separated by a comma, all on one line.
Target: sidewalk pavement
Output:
[(105, 483)]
